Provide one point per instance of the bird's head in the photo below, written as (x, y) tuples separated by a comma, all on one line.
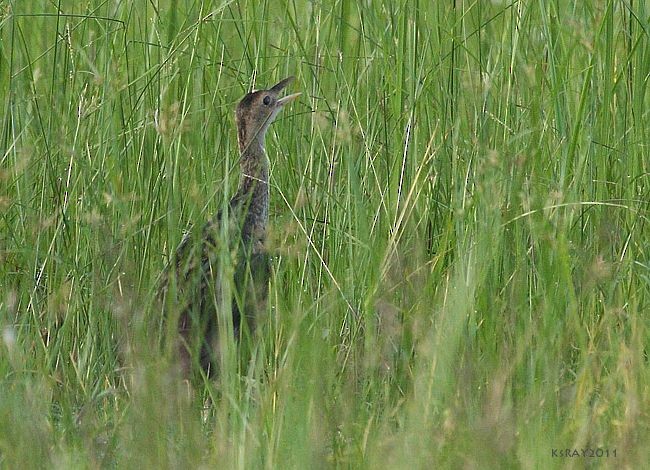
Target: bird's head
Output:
[(257, 110)]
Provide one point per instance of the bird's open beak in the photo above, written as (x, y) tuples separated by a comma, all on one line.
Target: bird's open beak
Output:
[(288, 99), (281, 86)]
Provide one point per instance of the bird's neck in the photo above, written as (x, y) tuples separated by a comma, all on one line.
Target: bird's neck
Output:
[(254, 183), (254, 166)]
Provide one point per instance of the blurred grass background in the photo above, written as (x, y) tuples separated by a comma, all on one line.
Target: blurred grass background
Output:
[(459, 223)]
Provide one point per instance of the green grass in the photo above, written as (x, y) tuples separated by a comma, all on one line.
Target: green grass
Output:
[(459, 219)]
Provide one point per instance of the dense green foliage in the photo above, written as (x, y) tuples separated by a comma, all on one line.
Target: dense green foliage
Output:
[(459, 211)]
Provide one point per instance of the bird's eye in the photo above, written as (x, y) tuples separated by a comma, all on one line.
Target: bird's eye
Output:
[(267, 100)]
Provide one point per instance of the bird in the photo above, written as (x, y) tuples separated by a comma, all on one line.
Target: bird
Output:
[(192, 282)]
